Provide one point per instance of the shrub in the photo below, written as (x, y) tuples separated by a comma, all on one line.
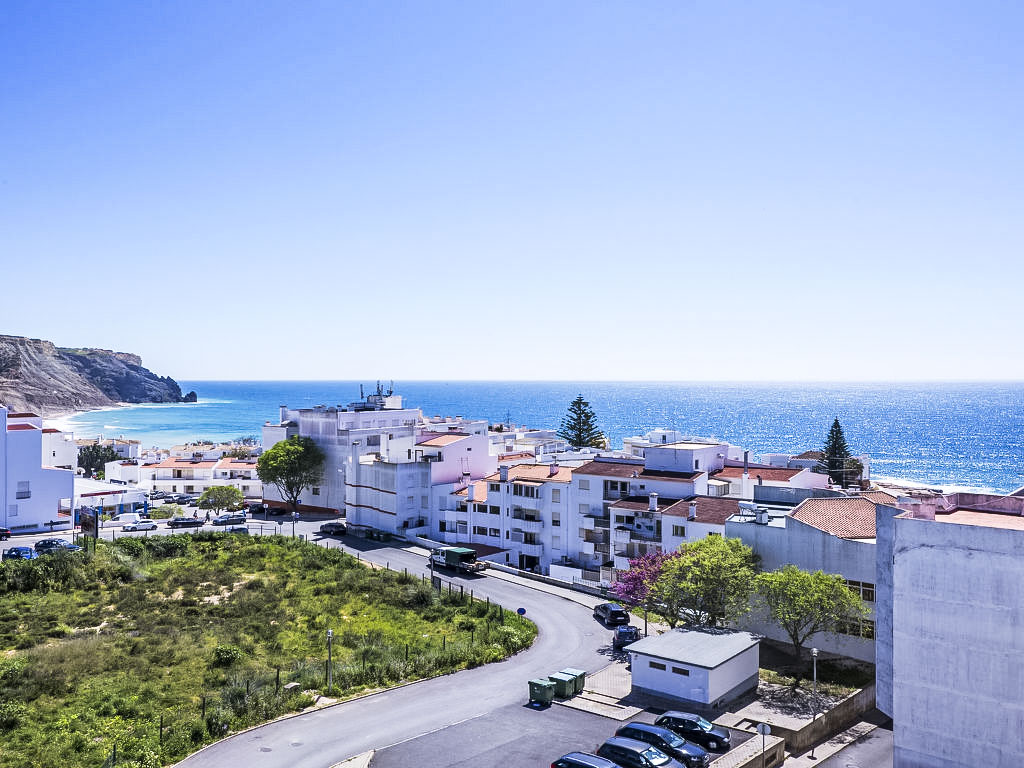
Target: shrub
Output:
[(226, 655)]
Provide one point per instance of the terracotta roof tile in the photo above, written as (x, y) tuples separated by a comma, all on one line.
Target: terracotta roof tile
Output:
[(627, 470), (537, 473), (880, 497), (845, 517), (710, 509), (435, 440), (768, 474), (20, 427)]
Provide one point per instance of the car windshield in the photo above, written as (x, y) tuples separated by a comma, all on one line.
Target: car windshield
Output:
[(704, 724), (656, 756), (672, 739)]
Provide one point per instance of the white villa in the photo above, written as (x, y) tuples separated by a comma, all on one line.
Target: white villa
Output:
[(36, 496)]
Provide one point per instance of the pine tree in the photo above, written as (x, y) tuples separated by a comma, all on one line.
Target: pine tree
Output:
[(836, 459), (579, 427)]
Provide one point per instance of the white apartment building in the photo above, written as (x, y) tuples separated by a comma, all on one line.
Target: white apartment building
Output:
[(193, 476), (59, 449), (951, 630), (35, 497), (124, 448)]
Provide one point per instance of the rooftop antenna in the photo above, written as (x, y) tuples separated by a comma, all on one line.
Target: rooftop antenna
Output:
[(508, 417), (361, 395), (391, 388)]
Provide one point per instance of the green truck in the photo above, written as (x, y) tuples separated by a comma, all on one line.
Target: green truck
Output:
[(457, 559)]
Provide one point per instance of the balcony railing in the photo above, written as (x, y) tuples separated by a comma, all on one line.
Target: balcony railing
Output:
[(603, 549), (528, 526)]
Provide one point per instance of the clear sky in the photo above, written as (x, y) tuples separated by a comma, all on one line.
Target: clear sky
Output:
[(517, 190)]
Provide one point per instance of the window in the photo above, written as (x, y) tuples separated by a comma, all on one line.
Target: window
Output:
[(493, 532), (584, 509), (584, 485), (12, 510), (656, 665), (494, 510), (24, 491), (440, 526), (681, 671), (556, 520), (679, 530), (714, 533), (865, 589), (423, 502), (556, 495), (556, 542), (461, 527), (316, 490), (479, 530), (857, 628), (494, 487), (696, 465), (527, 491)]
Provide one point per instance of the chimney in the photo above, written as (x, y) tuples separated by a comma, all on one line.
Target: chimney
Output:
[(692, 513), (503, 473), (553, 469), (652, 502), (746, 464)]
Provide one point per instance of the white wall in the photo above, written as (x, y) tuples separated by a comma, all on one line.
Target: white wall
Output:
[(693, 686), (958, 643), (737, 670)]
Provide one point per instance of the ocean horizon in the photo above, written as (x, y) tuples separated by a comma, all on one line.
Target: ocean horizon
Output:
[(955, 435)]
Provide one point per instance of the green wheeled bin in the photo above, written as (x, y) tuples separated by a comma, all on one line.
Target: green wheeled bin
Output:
[(542, 691), (565, 685), (578, 675)]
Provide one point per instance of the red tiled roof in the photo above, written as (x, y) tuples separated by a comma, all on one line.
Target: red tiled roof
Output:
[(479, 489), (642, 503), (809, 455), (710, 509), (26, 415), (609, 468), (179, 463), (535, 472), (880, 497), (769, 474), (435, 440), (50, 431), (19, 427), (975, 517), (845, 517)]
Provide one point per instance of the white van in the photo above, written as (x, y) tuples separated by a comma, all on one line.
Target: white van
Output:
[(126, 517)]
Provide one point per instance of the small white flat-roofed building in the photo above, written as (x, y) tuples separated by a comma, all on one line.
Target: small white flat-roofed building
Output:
[(708, 666), (111, 498), (34, 496)]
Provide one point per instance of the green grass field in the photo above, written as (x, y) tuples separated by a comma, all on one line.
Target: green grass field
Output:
[(204, 632)]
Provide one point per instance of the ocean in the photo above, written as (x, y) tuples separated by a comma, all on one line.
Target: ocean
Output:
[(951, 435)]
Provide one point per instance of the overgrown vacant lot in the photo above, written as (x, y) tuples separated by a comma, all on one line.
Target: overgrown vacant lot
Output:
[(96, 649)]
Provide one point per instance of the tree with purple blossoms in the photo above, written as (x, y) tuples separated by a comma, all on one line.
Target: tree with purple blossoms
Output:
[(634, 586)]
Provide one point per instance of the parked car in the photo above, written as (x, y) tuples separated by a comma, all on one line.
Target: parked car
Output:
[(611, 614), (188, 500), (582, 760), (5, 533), (48, 546), (141, 525), (257, 508), (623, 635), (157, 494), (237, 529), (229, 518), (669, 742), (20, 553), (184, 522), (695, 728), (630, 753), (333, 528)]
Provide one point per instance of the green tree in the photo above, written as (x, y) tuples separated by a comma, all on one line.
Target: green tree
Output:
[(836, 459), (579, 427), (709, 583), (291, 466), (92, 458), (805, 603), (221, 497)]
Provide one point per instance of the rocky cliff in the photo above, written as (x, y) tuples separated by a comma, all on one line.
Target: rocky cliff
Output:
[(38, 376)]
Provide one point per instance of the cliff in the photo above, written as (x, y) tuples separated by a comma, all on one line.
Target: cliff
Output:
[(38, 376)]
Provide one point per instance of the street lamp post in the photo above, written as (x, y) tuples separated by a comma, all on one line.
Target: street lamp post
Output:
[(814, 696), (330, 665)]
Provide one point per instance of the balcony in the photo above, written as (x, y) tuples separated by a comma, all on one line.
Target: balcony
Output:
[(597, 537), (527, 526), (610, 495), (621, 535), (532, 550), (621, 562), (587, 523), (602, 549), (587, 548)]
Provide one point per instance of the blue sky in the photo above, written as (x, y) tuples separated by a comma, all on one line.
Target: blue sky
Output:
[(510, 190)]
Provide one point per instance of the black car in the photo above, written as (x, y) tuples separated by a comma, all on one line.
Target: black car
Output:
[(334, 528), (695, 728), (184, 522), (582, 760), (630, 753), (49, 546), (229, 518), (624, 635), (5, 533), (670, 743), (611, 614), (237, 529)]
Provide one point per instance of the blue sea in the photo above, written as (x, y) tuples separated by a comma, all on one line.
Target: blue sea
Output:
[(949, 435)]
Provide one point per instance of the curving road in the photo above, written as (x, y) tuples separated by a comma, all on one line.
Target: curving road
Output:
[(568, 637)]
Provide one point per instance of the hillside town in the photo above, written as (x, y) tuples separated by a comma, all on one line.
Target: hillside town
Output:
[(526, 501)]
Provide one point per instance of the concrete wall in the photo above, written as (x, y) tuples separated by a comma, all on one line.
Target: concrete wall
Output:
[(736, 676), (958, 645), (884, 535)]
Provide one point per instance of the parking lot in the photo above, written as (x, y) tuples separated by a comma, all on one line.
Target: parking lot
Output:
[(519, 736)]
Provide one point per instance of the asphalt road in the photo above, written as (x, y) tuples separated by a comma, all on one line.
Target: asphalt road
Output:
[(568, 636)]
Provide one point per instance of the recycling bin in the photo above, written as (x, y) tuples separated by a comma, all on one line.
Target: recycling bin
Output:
[(542, 691), (565, 685), (578, 675)]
